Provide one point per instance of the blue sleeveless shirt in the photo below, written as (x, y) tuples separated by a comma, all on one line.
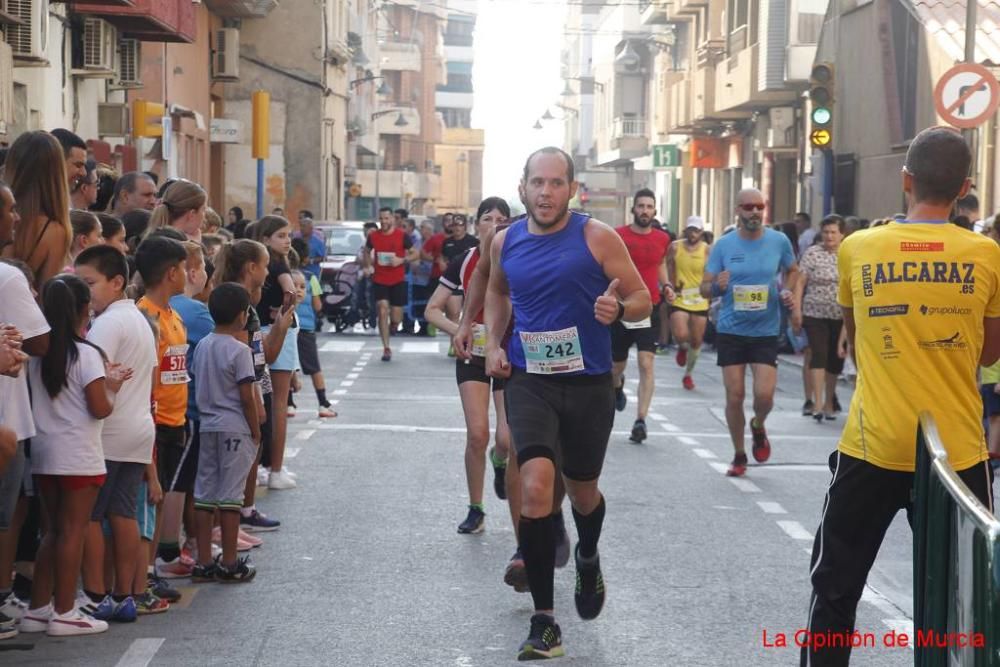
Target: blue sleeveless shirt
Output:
[(554, 281)]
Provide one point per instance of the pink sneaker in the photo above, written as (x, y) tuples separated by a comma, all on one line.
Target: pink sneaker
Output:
[(174, 569)]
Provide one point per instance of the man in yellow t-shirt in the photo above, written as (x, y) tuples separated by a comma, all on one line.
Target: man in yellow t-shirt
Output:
[(921, 300)]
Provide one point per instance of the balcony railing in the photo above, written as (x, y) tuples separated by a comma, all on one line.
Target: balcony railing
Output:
[(245, 9), (629, 127)]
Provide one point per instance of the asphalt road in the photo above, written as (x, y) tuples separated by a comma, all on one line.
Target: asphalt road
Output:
[(368, 569)]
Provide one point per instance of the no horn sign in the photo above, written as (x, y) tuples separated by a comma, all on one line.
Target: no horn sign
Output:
[(967, 95)]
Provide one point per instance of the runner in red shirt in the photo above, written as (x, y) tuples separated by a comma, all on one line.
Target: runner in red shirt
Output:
[(388, 249), (648, 248)]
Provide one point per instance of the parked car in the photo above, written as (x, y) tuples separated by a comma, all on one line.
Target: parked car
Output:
[(343, 241), (340, 271)]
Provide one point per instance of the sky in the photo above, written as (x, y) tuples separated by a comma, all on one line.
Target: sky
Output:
[(516, 77)]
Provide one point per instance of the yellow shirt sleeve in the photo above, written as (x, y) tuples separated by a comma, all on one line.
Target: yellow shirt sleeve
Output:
[(993, 261), (845, 297)]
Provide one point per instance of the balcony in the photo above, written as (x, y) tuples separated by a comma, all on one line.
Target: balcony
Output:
[(689, 7), (148, 20), (241, 9), (628, 139), (400, 56), (654, 12), (674, 112), (737, 87), (399, 184), (628, 128), (798, 62)]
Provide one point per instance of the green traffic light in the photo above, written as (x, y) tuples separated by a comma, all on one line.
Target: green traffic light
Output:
[(821, 116)]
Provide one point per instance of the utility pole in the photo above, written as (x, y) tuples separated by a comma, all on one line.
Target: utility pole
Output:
[(971, 135)]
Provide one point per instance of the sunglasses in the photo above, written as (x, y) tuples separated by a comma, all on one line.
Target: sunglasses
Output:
[(753, 207)]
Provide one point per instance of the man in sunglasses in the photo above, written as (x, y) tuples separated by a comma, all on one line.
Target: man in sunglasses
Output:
[(743, 270)]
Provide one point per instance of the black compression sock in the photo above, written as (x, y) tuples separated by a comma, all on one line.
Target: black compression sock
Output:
[(168, 552), (321, 397), (94, 597), (589, 529), (538, 547)]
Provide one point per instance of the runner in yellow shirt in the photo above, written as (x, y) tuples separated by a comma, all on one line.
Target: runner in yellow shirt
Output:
[(921, 302), (689, 309)]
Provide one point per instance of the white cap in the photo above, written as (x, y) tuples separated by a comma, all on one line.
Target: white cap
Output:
[(696, 222)]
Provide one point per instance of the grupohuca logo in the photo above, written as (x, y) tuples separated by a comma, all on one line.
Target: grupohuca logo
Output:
[(953, 343), (944, 310)]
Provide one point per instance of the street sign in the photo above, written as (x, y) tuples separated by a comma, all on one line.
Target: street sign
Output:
[(226, 131), (967, 95), (666, 156)]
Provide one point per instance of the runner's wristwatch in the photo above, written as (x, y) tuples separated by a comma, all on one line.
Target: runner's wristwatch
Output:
[(621, 310)]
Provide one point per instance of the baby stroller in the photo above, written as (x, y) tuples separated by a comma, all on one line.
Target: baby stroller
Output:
[(342, 306)]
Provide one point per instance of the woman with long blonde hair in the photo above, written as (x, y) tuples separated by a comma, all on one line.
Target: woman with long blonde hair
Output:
[(36, 171), (183, 208)]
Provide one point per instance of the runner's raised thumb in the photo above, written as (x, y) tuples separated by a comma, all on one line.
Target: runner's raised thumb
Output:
[(612, 288)]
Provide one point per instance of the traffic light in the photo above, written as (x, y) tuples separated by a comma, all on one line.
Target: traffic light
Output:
[(821, 100), (147, 119), (261, 108)]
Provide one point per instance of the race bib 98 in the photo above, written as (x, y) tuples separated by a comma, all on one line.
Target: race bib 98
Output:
[(750, 297), (479, 340)]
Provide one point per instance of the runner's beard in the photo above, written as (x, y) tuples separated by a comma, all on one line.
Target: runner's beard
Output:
[(532, 211), (639, 221), (751, 224)]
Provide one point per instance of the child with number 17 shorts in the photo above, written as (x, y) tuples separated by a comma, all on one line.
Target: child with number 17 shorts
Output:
[(230, 433)]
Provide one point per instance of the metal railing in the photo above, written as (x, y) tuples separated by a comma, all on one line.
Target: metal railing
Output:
[(629, 127), (956, 563)]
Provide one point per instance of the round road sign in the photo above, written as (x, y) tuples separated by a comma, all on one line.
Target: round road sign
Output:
[(966, 95)]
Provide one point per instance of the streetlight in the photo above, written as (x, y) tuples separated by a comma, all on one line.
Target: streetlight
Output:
[(537, 125), (400, 122), (568, 91), (384, 88)]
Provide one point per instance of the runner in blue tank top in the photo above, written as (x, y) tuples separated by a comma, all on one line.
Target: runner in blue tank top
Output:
[(566, 278)]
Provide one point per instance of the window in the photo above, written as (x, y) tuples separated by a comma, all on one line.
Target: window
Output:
[(737, 13), (459, 78), (905, 42), (456, 117), (458, 31)]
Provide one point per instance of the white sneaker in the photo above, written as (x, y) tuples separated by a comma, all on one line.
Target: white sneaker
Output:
[(291, 411), (263, 475), (281, 480), (293, 475), (36, 620), (74, 622), (12, 607)]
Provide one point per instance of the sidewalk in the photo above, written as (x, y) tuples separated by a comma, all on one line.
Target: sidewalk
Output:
[(849, 375)]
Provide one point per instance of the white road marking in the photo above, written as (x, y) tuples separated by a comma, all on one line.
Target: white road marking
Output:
[(704, 453), (339, 392), (771, 508), (357, 369), (292, 452), (343, 346), (627, 391), (719, 466), (657, 416), (352, 376), (420, 347), (744, 485), (801, 467), (670, 428), (140, 652), (316, 422), (347, 383), (795, 530), (332, 402), (306, 433), (685, 440)]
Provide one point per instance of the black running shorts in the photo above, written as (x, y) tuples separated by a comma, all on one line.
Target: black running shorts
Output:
[(562, 418), (394, 294), (623, 338), (475, 371), (741, 350)]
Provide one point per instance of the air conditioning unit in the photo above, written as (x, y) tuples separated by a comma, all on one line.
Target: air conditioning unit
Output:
[(29, 40), (129, 64), (112, 119), (226, 57), (98, 49)]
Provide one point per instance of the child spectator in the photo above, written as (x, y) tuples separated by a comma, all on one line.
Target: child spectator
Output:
[(310, 304), (113, 232), (86, 231), (230, 432), (245, 262), (122, 332), (278, 296), (212, 243), (73, 389), (161, 263)]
